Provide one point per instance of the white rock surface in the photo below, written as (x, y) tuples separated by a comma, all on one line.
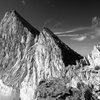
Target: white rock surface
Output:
[(28, 56), (94, 56)]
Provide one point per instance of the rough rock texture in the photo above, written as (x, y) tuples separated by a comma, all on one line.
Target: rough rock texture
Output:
[(27, 57), (39, 66), (94, 56), (16, 37), (79, 82)]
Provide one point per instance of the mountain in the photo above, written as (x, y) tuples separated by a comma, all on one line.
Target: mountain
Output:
[(94, 56), (28, 56)]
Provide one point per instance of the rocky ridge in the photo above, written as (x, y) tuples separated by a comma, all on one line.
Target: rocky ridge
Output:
[(94, 56), (39, 66), (28, 56)]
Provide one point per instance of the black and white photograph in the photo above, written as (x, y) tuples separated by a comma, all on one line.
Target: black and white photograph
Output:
[(49, 50)]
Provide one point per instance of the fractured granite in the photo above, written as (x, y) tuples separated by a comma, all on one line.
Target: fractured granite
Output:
[(39, 66), (28, 56)]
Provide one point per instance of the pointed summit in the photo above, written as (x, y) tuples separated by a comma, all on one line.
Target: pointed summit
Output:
[(16, 36), (14, 18), (28, 56), (69, 56), (94, 56)]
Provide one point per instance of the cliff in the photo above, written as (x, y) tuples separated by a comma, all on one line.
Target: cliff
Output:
[(28, 56)]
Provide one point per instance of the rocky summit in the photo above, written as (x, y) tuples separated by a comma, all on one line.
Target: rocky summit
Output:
[(28, 56), (94, 56), (37, 65)]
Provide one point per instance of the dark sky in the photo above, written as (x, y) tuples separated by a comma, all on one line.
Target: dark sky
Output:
[(59, 16)]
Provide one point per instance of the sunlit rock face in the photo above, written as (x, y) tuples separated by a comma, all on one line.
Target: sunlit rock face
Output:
[(28, 56), (39, 66), (94, 56), (86, 75), (50, 55), (17, 39)]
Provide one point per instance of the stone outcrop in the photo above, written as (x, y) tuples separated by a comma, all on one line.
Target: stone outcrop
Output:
[(28, 56), (79, 82), (95, 22), (86, 74), (39, 66), (94, 56)]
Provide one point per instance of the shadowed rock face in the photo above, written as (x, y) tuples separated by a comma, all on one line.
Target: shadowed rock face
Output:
[(68, 55), (28, 56)]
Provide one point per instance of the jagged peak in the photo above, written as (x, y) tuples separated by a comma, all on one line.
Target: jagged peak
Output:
[(56, 38), (94, 56), (65, 49), (96, 49), (47, 31), (13, 14), (10, 14)]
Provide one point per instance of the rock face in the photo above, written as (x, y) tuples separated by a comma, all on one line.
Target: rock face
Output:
[(28, 56), (80, 81), (94, 56), (39, 66)]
